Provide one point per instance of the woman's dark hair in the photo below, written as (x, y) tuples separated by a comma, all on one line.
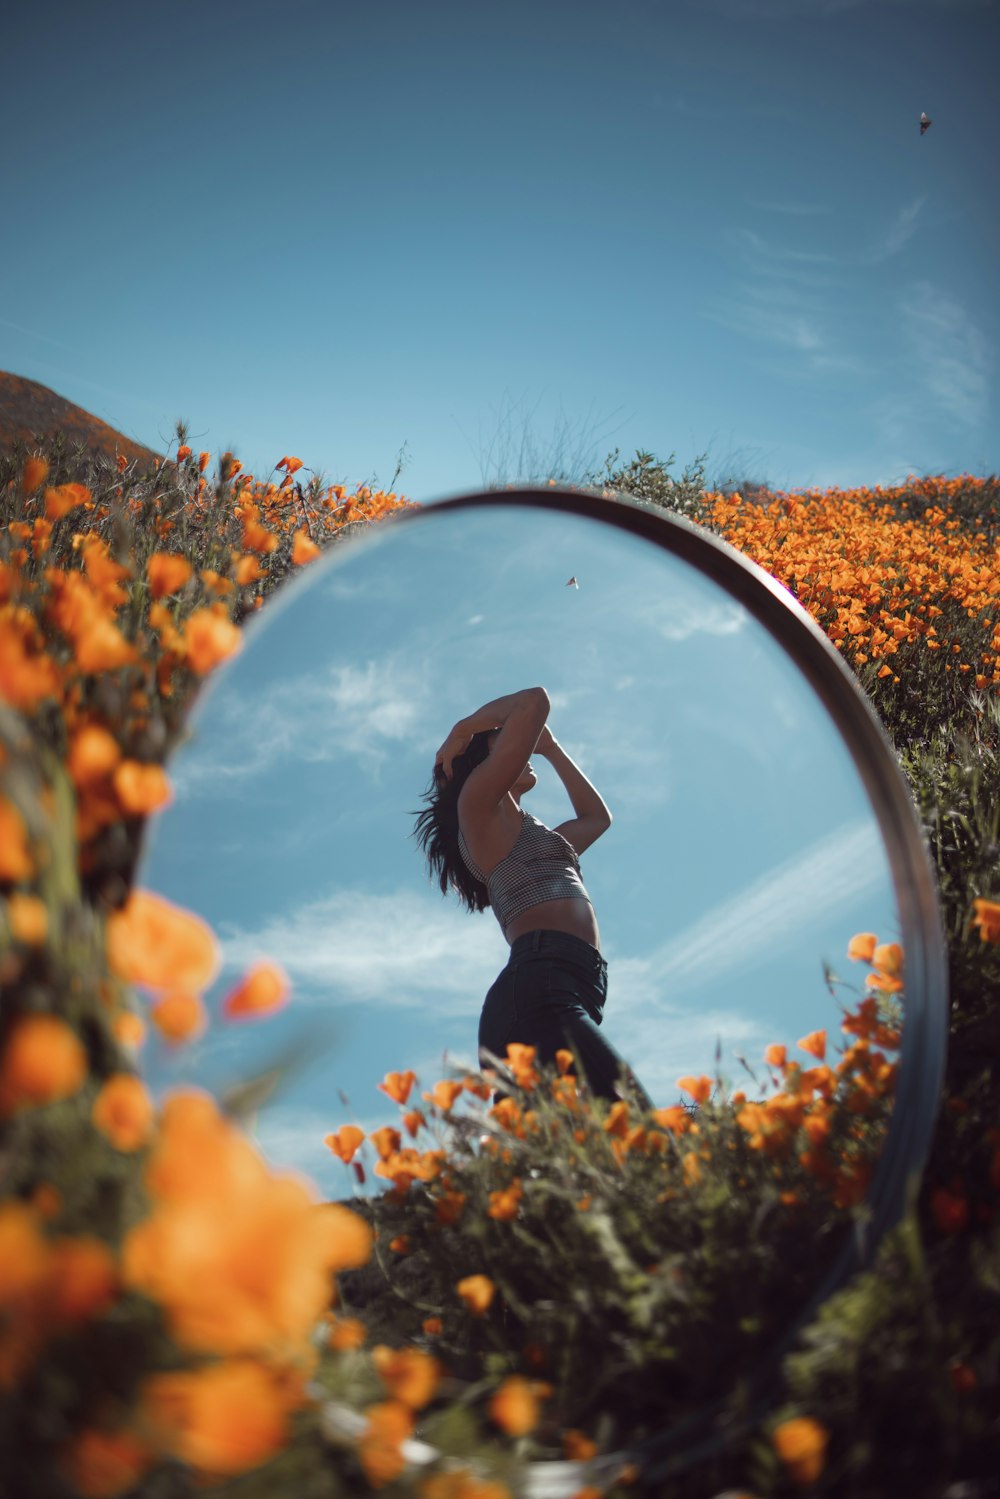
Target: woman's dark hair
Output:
[(436, 828)]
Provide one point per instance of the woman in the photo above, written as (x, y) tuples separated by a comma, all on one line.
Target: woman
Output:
[(481, 844)]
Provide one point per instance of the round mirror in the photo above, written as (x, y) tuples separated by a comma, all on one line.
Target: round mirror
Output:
[(759, 820)]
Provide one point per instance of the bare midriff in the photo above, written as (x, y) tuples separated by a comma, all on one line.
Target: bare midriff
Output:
[(574, 916)]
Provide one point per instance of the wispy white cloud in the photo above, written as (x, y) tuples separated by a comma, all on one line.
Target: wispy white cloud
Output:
[(950, 355), (361, 709), (755, 921), (899, 233), (403, 950)]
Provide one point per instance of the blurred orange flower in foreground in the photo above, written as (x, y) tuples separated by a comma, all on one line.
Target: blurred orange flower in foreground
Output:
[(15, 859), (700, 1088), (44, 1060), (221, 1419), (180, 1016), (167, 573), (477, 1291), (209, 638), (801, 1445), (264, 988), (986, 915), (104, 1464), (409, 1374), (379, 1449), (34, 474), (239, 1258), (123, 1111), (514, 1407), (151, 941)]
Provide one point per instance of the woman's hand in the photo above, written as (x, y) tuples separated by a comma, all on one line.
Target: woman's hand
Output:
[(546, 742), (457, 743)]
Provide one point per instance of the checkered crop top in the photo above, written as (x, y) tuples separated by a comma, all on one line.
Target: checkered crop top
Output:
[(541, 866)]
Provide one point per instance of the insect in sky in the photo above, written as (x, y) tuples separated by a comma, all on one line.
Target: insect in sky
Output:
[(925, 123), (572, 583)]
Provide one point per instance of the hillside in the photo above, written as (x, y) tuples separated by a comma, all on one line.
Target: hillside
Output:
[(29, 410)]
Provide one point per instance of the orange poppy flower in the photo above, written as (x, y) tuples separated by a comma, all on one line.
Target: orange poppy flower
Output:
[(617, 1120), (209, 638), (222, 1419), (386, 1140), (409, 1374), (304, 549), (888, 959), (15, 860), (700, 1088), (290, 465), (123, 1111), (398, 1085), (263, 989), (814, 1044), (862, 946), (577, 1447), (34, 474), (129, 1029), (514, 1407), (248, 570), (151, 941), (414, 1121), (564, 1059), (380, 1445), (44, 1060), (28, 917), (93, 753), (66, 497), (477, 1291), (183, 452), (801, 1445), (83, 1279), (25, 678), (346, 1334), (142, 789), (504, 1205), (345, 1142), (104, 1464), (444, 1094), (167, 573), (180, 1016), (986, 915), (676, 1118), (101, 646)]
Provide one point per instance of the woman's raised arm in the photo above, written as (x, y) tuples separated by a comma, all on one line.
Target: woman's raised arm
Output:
[(526, 707)]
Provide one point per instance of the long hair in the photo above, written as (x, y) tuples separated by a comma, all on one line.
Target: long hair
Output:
[(436, 827)]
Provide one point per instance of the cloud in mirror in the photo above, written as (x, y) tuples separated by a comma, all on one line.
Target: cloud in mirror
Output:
[(742, 857)]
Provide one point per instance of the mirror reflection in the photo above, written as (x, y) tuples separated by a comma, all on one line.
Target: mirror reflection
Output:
[(742, 855)]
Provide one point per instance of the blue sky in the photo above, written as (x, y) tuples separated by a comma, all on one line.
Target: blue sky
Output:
[(513, 236), (742, 856)]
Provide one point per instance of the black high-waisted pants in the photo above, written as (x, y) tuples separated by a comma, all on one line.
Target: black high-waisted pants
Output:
[(550, 995)]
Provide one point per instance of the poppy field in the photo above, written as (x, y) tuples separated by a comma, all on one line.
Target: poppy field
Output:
[(544, 1278)]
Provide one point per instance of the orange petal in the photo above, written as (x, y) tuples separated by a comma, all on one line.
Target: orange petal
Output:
[(264, 988), (151, 941)]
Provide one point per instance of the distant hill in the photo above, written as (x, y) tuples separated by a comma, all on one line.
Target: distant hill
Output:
[(29, 410)]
